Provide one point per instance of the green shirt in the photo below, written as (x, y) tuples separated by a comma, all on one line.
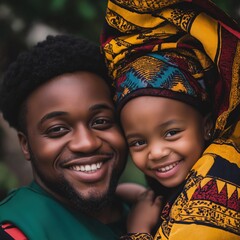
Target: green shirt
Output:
[(41, 217)]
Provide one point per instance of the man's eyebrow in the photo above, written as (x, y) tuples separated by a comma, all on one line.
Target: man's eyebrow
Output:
[(52, 115), (100, 107), (61, 113)]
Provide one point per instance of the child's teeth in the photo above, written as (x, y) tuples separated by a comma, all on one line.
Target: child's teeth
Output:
[(167, 168)]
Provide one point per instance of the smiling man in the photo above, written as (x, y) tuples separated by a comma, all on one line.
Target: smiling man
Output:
[(57, 98)]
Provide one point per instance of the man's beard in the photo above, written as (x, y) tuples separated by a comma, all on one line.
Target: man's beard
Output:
[(92, 204)]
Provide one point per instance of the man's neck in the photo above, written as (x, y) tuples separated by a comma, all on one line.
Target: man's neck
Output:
[(110, 213)]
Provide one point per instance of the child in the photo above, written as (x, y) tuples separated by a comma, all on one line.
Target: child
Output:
[(177, 70)]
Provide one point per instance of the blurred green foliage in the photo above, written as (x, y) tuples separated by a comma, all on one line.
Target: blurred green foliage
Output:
[(8, 180), (80, 17), (17, 18)]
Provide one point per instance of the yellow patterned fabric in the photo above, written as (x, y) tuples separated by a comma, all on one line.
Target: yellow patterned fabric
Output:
[(135, 28), (137, 236), (208, 206)]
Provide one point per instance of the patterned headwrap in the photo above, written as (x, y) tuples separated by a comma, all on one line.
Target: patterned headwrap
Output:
[(187, 50)]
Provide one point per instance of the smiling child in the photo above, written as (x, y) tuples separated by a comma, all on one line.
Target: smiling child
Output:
[(176, 68)]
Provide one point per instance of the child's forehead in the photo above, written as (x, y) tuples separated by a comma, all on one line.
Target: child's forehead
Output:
[(148, 110)]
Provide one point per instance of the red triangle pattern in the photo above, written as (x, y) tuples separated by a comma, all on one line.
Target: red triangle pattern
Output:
[(210, 192)]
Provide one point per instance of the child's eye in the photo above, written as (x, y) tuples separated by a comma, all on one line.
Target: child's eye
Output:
[(56, 131), (137, 143), (172, 133)]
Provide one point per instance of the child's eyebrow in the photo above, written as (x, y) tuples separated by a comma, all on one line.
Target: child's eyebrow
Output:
[(160, 126), (132, 135), (169, 123)]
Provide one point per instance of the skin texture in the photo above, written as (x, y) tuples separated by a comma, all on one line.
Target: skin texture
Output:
[(145, 213), (70, 125), (165, 139), (130, 192)]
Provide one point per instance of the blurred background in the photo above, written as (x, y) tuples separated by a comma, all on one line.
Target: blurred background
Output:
[(25, 22)]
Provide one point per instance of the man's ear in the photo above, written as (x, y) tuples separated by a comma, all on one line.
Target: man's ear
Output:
[(208, 127), (24, 145)]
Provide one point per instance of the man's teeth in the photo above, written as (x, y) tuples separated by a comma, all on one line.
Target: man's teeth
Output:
[(87, 168), (167, 168)]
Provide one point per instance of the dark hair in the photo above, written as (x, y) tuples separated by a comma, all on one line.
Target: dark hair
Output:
[(52, 57)]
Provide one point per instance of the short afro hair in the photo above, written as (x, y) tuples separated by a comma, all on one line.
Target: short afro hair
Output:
[(52, 57)]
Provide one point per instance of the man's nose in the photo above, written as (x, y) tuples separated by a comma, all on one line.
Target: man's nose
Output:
[(84, 140), (158, 150)]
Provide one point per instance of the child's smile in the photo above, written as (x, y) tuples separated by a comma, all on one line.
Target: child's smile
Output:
[(166, 137), (168, 170)]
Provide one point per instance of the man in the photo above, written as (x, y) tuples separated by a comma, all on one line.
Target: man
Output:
[(57, 98)]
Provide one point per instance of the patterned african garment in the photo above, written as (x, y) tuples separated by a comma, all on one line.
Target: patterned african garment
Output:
[(208, 206)]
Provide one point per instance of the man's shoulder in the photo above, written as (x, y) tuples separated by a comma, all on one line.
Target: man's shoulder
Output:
[(11, 196), (25, 201), (22, 195)]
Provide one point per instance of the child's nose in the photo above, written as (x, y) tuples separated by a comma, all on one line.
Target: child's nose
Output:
[(158, 151), (84, 140)]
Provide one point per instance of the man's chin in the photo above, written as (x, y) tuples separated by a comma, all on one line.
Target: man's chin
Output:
[(93, 203), (89, 202)]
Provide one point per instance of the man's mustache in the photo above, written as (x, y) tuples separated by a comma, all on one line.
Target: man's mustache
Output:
[(86, 155)]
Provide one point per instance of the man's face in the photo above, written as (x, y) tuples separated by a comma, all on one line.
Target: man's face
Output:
[(73, 140)]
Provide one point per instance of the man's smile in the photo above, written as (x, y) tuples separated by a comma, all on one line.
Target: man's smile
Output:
[(87, 168)]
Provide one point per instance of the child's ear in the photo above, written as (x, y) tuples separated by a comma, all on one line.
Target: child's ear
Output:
[(208, 127), (24, 145)]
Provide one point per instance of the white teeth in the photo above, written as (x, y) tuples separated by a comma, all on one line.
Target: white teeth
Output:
[(78, 168), (87, 168), (82, 168), (167, 168), (94, 167)]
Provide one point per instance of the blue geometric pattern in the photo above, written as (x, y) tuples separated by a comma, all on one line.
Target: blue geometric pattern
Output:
[(153, 71)]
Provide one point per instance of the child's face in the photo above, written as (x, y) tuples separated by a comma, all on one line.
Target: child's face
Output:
[(166, 137)]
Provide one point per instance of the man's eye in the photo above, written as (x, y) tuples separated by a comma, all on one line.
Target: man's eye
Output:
[(56, 131), (102, 123)]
